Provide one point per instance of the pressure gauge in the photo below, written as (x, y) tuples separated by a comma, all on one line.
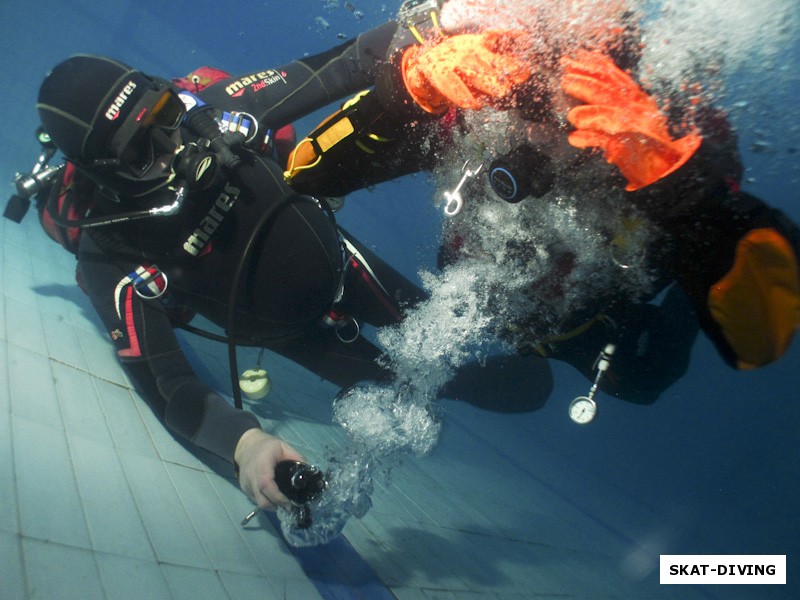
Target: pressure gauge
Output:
[(582, 410)]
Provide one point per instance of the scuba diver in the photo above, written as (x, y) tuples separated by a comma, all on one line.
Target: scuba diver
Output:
[(178, 201), (722, 260), (717, 258), (174, 199)]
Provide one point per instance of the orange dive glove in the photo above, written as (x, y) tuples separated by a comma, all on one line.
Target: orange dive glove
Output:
[(623, 120), (757, 303), (466, 71)]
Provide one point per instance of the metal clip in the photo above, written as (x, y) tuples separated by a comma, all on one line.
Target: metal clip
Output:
[(454, 201)]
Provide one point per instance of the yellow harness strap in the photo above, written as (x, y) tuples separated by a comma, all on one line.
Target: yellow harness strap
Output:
[(757, 302), (582, 328)]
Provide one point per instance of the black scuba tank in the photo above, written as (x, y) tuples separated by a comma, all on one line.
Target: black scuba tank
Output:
[(523, 172)]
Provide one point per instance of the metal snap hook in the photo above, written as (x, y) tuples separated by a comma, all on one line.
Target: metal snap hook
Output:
[(454, 202)]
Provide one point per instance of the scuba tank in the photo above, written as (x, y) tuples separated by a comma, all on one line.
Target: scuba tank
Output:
[(523, 172)]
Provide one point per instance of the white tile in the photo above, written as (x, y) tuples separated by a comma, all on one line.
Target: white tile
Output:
[(31, 386), (221, 535), (115, 526), (131, 579), (187, 583), (124, 419), (299, 589), (174, 538), (15, 242), (62, 344), (231, 496), (434, 594), (49, 505), (428, 554), (18, 284), (80, 407), (170, 447), (56, 571), (100, 356), (55, 298), (3, 326), (419, 497), (375, 537), (52, 266), (270, 551), (511, 566), (248, 587), (167, 445), (11, 575), (8, 486), (431, 482), (24, 326), (82, 315), (408, 593), (265, 543), (5, 392), (487, 596)]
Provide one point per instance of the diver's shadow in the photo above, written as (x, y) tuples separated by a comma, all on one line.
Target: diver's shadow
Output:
[(440, 559), (75, 295)]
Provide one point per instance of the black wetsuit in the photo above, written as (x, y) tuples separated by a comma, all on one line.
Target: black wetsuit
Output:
[(294, 269)]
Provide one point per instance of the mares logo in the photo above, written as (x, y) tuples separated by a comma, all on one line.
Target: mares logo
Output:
[(258, 81), (198, 240), (113, 111)]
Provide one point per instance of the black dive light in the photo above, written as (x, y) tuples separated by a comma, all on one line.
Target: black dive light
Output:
[(301, 483), (523, 172)]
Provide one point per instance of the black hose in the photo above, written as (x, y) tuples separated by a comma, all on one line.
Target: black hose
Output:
[(237, 275), (203, 124)]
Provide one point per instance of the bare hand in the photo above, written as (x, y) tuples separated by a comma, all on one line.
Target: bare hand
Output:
[(257, 453)]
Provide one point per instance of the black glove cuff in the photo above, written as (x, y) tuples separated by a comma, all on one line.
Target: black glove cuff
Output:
[(390, 89)]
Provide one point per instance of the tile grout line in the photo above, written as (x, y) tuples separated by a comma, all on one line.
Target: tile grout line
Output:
[(188, 513), (7, 383), (68, 365), (67, 437), (20, 552), (125, 474), (235, 524)]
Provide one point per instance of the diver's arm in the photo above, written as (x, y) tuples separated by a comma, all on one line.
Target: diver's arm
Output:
[(148, 350), (281, 95)]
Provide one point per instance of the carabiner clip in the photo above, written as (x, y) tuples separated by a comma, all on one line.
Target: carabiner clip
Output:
[(454, 203), (453, 200)]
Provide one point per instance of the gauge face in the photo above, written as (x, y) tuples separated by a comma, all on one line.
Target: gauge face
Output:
[(582, 410)]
